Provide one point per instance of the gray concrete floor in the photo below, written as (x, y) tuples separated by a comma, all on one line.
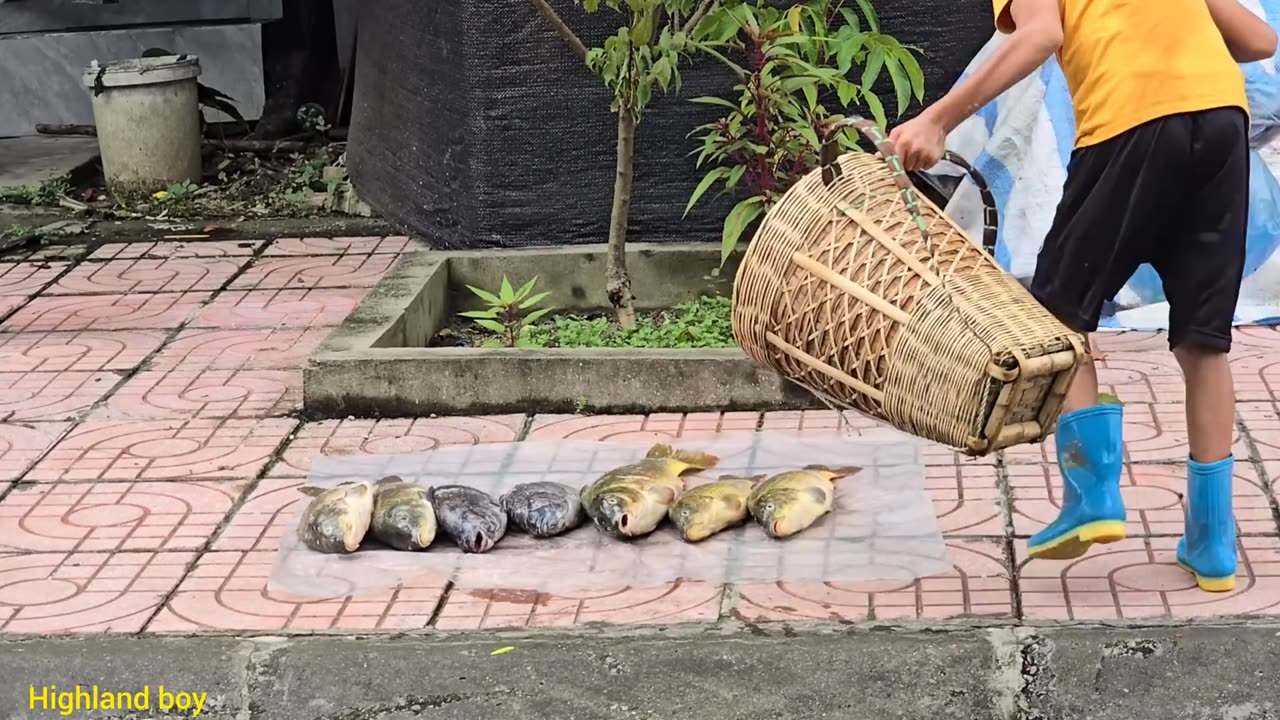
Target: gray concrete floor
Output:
[(32, 160)]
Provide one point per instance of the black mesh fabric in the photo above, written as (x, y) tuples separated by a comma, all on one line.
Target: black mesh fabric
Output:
[(475, 126)]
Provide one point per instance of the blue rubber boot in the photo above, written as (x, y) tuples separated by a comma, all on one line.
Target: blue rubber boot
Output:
[(1091, 458), (1208, 550)]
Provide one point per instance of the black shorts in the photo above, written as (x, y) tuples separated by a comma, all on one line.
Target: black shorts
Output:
[(1173, 192)]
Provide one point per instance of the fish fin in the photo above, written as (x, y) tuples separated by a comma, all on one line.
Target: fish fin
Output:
[(732, 504), (667, 493), (836, 472), (312, 490), (757, 479), (389, 480), (818, 494), (695, 460), (359, 490), (427, 493)]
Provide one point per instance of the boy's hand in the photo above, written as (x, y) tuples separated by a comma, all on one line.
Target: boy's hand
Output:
[(919, 142)]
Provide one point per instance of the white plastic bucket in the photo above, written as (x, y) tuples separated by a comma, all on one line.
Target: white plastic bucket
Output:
[(148, 119)]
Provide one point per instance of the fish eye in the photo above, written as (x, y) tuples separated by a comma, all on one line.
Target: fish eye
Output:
[(612, 500), (769, 507)]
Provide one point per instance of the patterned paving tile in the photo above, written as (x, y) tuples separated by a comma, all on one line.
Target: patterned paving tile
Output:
[(263, 349), (1129, 341), (1152, 433), (107, 312), (401, 435), (177, 250), (1152, 494), (671, 603), (21, 445), (341, 271), (1139, 578), (977, 585), (279, 308), (286, 247), (1256, 375), (263, 519), (71, 517), (88, 351), (182, 393), (53, 593), (28, 278), (228, 591), (146, 276), (1262, 422), (163, 449), (1141, 377), (800, 421), (52, 396), (1258, 337), (966, 499), (10, 303)]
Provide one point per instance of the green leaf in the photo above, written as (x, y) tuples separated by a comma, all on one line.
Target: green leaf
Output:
[(735, 176), (901, 84), (877, 109), (661, 71), (480, 314), (870, 13), (534, 300), (851, 18), (915, 74), (846, 92), (705, 184), (711, 100), (493, 325), (526, 288), (811, 95), (507, 294), (536, 315), (875, 63), (739, 218), (485, 295)]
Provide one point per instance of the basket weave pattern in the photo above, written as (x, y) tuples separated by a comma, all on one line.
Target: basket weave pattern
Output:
[(840, 292)]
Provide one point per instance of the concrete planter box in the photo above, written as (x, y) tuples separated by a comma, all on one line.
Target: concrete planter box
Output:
[(378, 363)]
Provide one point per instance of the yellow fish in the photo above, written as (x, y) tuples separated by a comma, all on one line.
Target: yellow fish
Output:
[(790, 502), (631, 500), (707, 509)]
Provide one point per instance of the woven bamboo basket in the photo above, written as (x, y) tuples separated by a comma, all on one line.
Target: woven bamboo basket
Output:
[(862, 291)]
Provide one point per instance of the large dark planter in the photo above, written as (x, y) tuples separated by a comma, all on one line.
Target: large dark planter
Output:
[(474, 126)]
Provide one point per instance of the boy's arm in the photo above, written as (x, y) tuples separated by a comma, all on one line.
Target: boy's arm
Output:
[(1248, 37), (1036, 35)]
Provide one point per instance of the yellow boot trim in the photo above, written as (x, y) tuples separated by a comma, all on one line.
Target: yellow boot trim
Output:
[(1213, 585), (1077, 541)]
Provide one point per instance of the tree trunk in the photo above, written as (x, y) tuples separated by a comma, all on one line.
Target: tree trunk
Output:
[(617, 281), (299, 65)]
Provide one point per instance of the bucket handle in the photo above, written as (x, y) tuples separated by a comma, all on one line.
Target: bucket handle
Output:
[(831, 170)]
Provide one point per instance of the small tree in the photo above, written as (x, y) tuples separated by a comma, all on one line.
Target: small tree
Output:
[(796, 61), (642, 56)]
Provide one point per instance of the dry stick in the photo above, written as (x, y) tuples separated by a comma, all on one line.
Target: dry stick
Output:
[(706, 7), (568, 35)]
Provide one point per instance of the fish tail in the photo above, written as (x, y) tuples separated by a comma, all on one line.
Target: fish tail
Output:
[(690, 458), (836, 472)]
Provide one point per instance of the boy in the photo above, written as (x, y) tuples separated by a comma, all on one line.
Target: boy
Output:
[(1159, 174)]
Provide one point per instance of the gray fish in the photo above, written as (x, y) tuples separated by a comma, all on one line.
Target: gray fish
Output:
[(543, 509), (403, 517), (472, 518), (337, 519)]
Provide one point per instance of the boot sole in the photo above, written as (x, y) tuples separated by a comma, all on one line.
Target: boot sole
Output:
[(1207, 584), (1076, 542)]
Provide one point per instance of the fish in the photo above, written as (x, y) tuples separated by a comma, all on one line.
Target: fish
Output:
[(543, 509), (470, 517), (337, 519), (790, 502), (632, 500), (403, 516), (707, 509)]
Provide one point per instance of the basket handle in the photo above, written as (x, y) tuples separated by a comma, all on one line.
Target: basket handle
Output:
[(831, 170)]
